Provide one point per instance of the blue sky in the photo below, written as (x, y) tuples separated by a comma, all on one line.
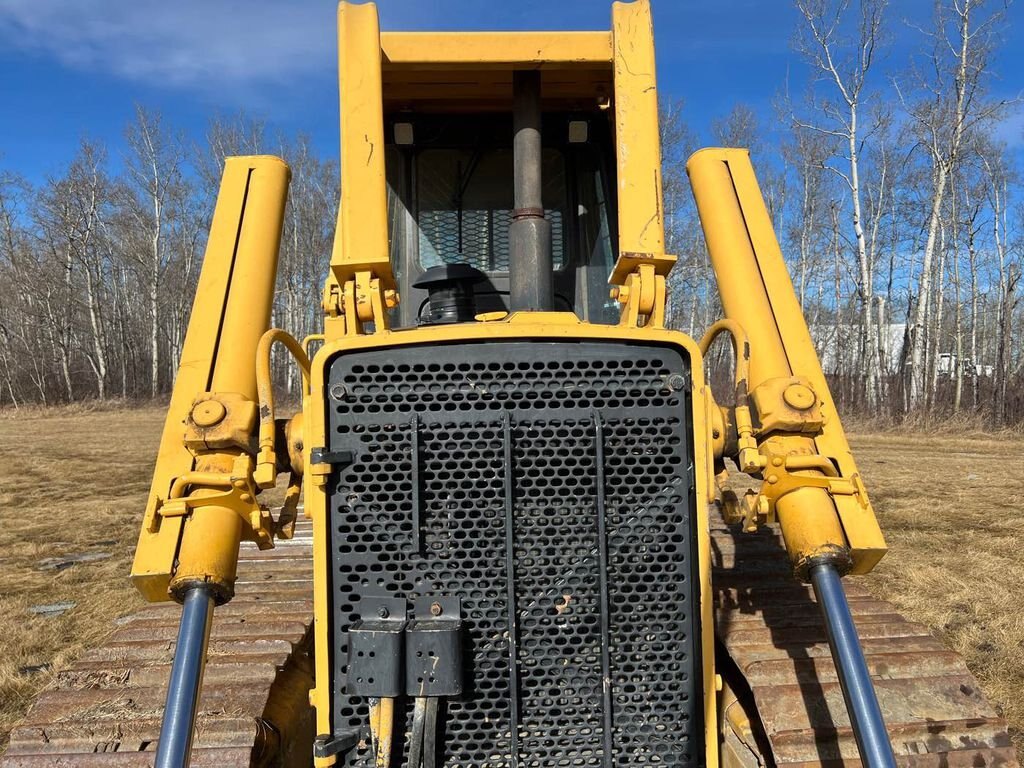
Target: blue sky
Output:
[(71, 68)]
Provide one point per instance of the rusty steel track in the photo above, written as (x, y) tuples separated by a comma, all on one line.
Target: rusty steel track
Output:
[(104, 711), (775, 658)]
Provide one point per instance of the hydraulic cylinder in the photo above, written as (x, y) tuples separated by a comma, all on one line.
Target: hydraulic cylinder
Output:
[(203, 488), (758, 294)]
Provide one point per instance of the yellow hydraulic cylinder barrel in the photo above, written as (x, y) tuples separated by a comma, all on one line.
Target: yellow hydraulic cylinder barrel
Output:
[(209, 551), (250, 298), (811, 529), (757, 292), (744, 297), (230, 309), (211, 534)]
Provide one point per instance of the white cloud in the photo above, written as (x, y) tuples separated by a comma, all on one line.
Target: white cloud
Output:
[(184, 43)]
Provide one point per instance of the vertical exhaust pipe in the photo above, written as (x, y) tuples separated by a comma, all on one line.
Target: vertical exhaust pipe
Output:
[(529, 234)]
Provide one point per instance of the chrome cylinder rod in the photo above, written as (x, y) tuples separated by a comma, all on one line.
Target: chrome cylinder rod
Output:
[(175, 747), (854, 677)]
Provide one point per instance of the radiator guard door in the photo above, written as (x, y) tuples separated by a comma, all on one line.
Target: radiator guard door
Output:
[(508, 473)]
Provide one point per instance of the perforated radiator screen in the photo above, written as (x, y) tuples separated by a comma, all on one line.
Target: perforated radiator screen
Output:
[(564, 471)]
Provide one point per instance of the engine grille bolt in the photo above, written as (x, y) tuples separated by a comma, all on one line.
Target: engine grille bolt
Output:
[(677, 382), (435, 609), (383, 612), (338, 391)]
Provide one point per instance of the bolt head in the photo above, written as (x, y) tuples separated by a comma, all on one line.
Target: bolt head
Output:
[(435, 609), (208, 413), (677, 382), (383, 612), (338, 391), (799, 397)]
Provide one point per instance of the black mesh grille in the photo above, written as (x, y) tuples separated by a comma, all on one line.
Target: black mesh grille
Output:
[(588, 426), (479, 239)]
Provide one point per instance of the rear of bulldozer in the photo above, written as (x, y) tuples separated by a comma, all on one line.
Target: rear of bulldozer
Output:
[(509, 468), (507, 459)]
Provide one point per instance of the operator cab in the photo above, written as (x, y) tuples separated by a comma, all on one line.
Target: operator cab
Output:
[(450, 181)]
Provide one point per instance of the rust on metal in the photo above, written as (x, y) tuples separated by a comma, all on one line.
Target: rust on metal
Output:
[(781, 667), (105, 710)]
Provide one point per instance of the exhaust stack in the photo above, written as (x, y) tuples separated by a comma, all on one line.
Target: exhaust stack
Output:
[(529, 234)]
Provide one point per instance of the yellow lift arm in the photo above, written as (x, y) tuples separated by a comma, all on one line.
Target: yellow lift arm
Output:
[(786, 430)]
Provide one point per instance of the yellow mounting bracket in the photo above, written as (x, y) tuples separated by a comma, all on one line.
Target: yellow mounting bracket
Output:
[(362, 299), (361, 286), (752, 509), (639, 280), (787, 404), (770, 444), (233, 490), (783, 472), (220, 421)]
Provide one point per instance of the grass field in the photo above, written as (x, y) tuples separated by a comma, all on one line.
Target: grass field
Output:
[(73, 484), (951, 508)]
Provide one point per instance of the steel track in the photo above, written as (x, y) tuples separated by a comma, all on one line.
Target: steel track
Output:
[(104, 711)]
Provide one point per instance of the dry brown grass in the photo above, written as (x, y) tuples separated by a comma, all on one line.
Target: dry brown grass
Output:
[(74, 481), (951, 508)]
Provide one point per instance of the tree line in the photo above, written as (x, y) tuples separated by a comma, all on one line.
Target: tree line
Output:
[(899, 211), (98, 269), (896, 204)]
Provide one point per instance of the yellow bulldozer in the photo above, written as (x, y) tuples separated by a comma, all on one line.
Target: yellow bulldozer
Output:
[(516, 546)]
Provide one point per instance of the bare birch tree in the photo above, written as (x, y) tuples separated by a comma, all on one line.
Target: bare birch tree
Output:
[(952, 106), (154, 169), (843, 61)]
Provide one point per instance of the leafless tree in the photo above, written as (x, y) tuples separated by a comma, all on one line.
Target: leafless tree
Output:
[(689, 288), (154, 165), (98, 263), (843, 61), (951, 105)]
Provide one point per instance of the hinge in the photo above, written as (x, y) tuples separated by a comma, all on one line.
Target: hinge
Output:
[(640, 286)]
